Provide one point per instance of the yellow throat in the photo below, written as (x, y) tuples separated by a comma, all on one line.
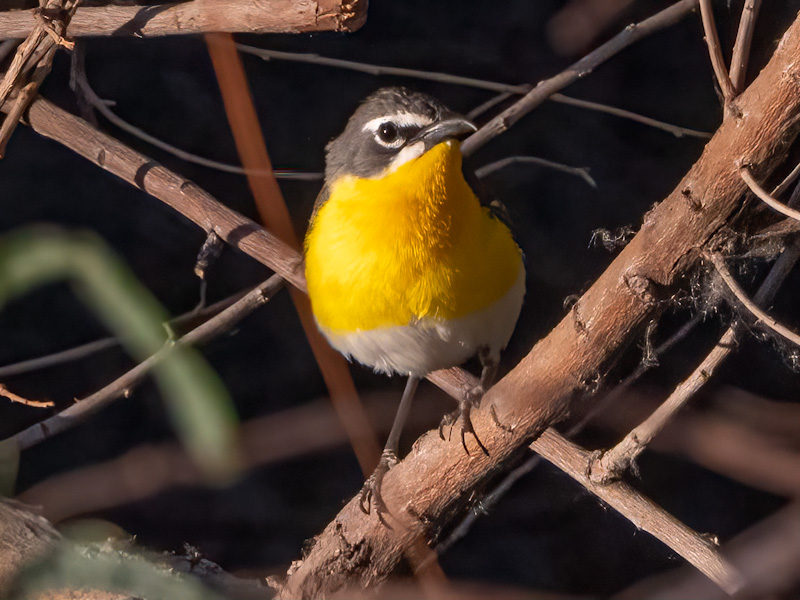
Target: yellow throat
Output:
[(412, 244)]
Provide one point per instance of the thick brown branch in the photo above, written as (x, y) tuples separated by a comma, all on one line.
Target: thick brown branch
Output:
[(433, 483), (178, 192), (199, 16)]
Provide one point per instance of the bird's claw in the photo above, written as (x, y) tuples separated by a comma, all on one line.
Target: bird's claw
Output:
[(461, 417), (370, 495)]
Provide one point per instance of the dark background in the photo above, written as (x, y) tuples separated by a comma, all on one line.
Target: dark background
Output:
[(548, 533)]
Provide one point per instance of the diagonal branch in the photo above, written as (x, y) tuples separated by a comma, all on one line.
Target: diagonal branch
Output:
[(767, 198), (762, 317), (715, 51), (548, 87), (613, 463), (741, 48), (81, 410)]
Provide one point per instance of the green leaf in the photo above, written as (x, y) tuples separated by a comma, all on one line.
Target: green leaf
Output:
[(198, 402)]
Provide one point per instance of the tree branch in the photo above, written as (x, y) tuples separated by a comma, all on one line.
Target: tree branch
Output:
[(769, 200), (174, 190), (81, 410), (741, 48), (762, 317), (199, 16), (613, 463), (643, 513), (434, 483), (715, 51), (548, 87)]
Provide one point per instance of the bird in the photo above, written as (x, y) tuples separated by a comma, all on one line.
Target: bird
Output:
[(407, 271)]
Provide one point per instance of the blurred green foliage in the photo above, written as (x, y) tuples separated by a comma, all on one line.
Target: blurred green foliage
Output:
[(198, 402)]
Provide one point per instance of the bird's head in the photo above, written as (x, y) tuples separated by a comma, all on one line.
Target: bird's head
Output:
[(391, 127)]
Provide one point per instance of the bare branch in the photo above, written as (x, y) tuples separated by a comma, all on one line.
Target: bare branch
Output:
[(583, 67), (81, 84), (178, 192), (582, 172), (121, 387), (179, 324), (761, 317), (7, 393), (764, 195), (715, 51), (632, 116), (33, 60), (788, 180), (200, 16), (741, 48), (614, 462), (643, 513), (506, 90), (767, 553)]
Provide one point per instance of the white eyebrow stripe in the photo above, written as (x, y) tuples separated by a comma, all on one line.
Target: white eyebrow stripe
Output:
[(402, 119)]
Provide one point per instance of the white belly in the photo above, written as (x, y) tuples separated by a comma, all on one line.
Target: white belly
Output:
[(430, 344)]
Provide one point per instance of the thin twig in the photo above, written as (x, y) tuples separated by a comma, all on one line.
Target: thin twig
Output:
[(582, 172), (715, 51), (765, 196), (493, 497), (7, 393), (675, 130), (488, 105), (505, 90), (187, 320), (787, 182), (741, 48), (122, 386), (612, 463), (583, 67), (761, 316), (642, 512), (80, 83)]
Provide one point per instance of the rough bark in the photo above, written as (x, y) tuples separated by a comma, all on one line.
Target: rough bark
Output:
[(200, 16)]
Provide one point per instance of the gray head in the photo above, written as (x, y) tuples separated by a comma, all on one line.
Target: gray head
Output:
[(392, 126)]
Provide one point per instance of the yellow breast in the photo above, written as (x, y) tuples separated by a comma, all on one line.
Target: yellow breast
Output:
[(412, 244)]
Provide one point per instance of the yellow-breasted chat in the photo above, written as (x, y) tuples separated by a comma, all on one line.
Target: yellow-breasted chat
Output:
[(407, 271)]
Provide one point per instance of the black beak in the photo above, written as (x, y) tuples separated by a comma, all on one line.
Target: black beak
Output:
[(451, 128)]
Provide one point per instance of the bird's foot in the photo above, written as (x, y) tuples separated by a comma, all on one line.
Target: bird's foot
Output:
[(461, 417), (371, 490)]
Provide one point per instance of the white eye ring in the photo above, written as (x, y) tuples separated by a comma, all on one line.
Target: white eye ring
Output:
[(389, 135)]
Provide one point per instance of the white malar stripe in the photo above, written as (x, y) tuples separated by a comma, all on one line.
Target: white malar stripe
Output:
[(402, 119), (408, 153), (431, 344)]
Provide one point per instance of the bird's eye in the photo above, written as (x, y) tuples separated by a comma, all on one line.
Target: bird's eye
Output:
[(387, 133)]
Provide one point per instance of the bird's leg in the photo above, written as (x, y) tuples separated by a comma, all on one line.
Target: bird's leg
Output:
[(371, 492), (470, 400)]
